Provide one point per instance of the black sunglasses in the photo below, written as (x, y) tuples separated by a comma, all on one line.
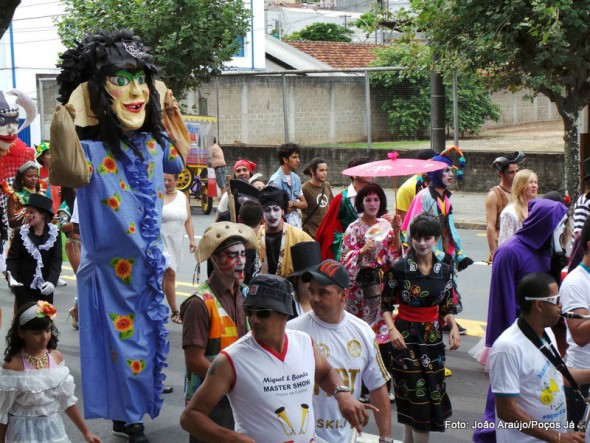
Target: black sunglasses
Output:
[(260, 313)]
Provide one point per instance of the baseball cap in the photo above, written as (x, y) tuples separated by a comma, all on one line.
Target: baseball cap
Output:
[(328, 272), (268, 291)]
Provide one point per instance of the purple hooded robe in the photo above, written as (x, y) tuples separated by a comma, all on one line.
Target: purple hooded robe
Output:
[(528, 251)]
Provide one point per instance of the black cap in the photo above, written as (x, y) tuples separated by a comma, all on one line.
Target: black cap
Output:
[(271, 195), (328, 272), (268, 291)]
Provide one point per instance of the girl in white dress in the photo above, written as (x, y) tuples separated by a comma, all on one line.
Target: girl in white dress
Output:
[(176, 218), (35, 383)]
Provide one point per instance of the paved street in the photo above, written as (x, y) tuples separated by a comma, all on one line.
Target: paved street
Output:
[(467, 387)]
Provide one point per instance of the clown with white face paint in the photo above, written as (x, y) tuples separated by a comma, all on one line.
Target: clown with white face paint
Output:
[(422, 288), (213, 318), (436, 200), (448, 174), (273, 217), (277, 236)]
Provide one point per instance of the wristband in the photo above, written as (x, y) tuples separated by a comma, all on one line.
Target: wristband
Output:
[(386, 439)]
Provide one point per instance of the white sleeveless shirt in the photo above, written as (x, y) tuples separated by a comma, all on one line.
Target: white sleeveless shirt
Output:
[(272, 397)]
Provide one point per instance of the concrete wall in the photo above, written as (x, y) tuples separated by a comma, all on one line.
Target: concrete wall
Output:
[(319, 109), (325, 110), (478, 172), (517, 110)]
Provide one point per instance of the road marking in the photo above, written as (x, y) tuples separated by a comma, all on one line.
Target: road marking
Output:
[(481, 263), (480, 234)]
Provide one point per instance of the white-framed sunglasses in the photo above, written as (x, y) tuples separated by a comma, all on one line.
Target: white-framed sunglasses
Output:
[(554, 299)]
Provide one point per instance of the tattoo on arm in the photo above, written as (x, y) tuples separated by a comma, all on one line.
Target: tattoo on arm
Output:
[(213, 367)]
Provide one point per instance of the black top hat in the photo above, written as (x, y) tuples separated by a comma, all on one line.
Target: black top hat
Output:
[(241, 188), (40, 202), (271, 195), (304, 256), (587, 168)]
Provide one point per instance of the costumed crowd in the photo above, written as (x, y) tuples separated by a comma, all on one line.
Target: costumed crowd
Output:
[(317, 308)]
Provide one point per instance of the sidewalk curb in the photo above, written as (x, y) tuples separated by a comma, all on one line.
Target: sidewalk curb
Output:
[(470, 225)]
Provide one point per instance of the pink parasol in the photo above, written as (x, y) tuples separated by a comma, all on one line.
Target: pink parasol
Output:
[(394, 167)]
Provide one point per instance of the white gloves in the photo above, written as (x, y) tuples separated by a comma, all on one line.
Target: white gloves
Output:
[(47, 288), (11, 281)]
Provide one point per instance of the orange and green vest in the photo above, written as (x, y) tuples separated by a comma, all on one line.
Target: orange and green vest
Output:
[(222, 333)]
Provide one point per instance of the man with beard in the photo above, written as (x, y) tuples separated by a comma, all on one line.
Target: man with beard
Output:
[(318, 195), (530, 250), (286, 179), (269, 377), (212, 318), (499, 197), (341, 213), (277, 236)]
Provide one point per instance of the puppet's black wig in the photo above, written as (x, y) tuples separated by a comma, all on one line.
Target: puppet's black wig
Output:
[(100, 55)]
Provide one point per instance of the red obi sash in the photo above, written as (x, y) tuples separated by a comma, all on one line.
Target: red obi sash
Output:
[(426, 314)]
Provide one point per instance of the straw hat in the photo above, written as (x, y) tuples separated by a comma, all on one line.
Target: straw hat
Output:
[(218, 235)]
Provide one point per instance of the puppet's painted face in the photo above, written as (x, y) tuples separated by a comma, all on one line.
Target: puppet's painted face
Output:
[(8, 120), (130, 94), (8, 127)]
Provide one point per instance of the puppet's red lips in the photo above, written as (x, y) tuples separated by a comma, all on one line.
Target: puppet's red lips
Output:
[(134, 107), (8, 138)]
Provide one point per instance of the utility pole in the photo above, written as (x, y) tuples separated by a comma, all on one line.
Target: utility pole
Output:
[(345, 22)]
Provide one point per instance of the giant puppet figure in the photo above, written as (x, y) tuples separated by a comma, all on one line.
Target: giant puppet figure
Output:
[(13, 151), (109, 80)]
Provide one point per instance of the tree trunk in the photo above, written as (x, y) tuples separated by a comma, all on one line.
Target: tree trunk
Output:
[(569, 108), (571, 153)]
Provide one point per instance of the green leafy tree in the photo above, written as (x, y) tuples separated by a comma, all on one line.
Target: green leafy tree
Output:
[(408, 109), (367, 23), (542, 45), (190, 39), (322, 32)]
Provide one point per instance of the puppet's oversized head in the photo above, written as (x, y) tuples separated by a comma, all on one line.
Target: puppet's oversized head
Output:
[(9, 115), (109, 78)]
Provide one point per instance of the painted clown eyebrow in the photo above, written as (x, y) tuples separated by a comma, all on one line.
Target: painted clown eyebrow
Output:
[(128, 75), (123, 78)]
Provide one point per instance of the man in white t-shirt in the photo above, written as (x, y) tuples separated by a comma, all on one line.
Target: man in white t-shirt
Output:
[(349, 345), (527, 388), (268, 376), (575, 297)]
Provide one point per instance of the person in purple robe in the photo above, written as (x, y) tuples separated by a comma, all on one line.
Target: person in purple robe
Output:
[(530, 250)]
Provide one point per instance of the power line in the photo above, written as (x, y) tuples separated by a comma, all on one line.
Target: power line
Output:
[(38, 17), (37, 4)]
